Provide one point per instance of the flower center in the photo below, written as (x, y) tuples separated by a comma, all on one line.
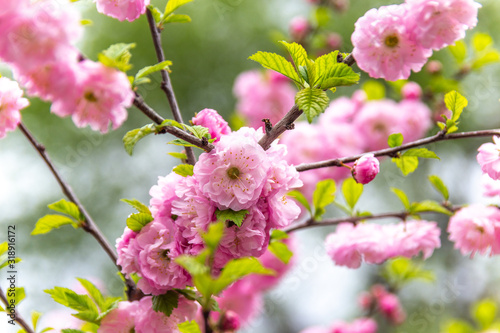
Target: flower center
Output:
[(233, 172), (89, 96), (391, 41), (165, 254)]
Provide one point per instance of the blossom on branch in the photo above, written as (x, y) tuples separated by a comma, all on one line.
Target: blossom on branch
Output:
[(212, 120), (11, 102), (365, 169), (122, 10), (489, 158)]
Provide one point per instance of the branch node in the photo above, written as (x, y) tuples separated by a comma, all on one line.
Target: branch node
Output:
[(268, 125), (290, 127)]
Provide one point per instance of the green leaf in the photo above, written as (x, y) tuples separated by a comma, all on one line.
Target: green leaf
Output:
[(180, 156), (276, 63), (47, 329), (3, 247), (94, 293), (458, 326), (177, 18), (6, 262), (152, 69), (170, 122), (230, 215), (301, 199), (421, 152), (439, 186), (173, 5), (429, 205), (402, 196), (281, 251), (166, 303), (339, 75), (198, 131), (402, 270), (132, 137), (481, 41), (312, 101), (117, 56), (459, 51), (213, 235), (69, 298), (278, 235), (235, 269), (35, 315), (17, 297), (407, 164), (189, 327), (323, 195), (489, 57), (137, 221), (484, 313), (67, 207), (297, 53), (351, 191), (395, 140), (157, 14), (183, 170), (50, 222), (374, 90), (323, 64), (180, 142), (192, 265), (141, 208), (455, 103)]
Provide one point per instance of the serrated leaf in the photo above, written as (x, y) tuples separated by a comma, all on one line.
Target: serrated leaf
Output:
[(455, 103), (67, 207), (297, 53), (141, 208), (323, 195), (177, 18), (230, 215), (94, 293), (402, 196), (301, 199), (276, 63), (459, 51), (171, 122), (352, 192), (312, 101), (439, 186), (486, 58), (189, 327), (50, 222), (166, 303), (484, 313), (278, 235), (132, 137), (374, 90), (407, 164), (117, 56), (137, 221), (421, 152), (173, 5), (88, 316), (322, 65), (143, 72), (481, 41), (395, 140), (80, 303), (339, 75), (402, 270), (429, 205), (198, 131), (281, 251), (180, 156), (183, 170)]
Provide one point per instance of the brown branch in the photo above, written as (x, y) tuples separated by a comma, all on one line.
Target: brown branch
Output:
[(147, 110), (166, 84), (440, 136), (88, 224), (18, 317)]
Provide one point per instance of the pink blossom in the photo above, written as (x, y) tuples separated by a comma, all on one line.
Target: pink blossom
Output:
[(491, 187), (391, 308), (299, 27), (230, 321), (122, 9), (162, 196), (127, 252), (408, 238), (411, 90), (235, 172), (263, 95), (245, 303), (362, 325), (316, 329), (365, 169), (11, 102), (119, 320), (415, 119), (211, 119), (383, 46), (476, 228), (489, 158), (436, 24)]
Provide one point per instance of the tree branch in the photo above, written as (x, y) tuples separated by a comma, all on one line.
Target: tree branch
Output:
[(88, 224), (18, 319), (440, 136), (166, 84)]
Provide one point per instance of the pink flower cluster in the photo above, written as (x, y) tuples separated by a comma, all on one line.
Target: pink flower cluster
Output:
[(362, 325), (37, 41), (11, 102), (139, 317), (352, 126), (385, 302), (489, 158), (238, 174), (349, 245), (391, 41), (263, 95), (476, 228), (128, 10)]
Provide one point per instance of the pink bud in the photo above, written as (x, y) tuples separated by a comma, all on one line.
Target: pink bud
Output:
[(365, 169), (210, 119), (299, 27), (230, 321), (434, 67), (391, 308), (334, 41), (411, 90)]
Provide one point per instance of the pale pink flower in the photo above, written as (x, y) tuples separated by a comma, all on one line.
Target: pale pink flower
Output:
[(162, 196), (11, 102), (127, 252), (408, 238), (235, 172), (489, 158), (476, 228), (436, 24), (101, 96), (383, 46), (491, 187), (212, 120), (316, 329), (365, 169), (120, 320), (299, 27), (415, 119), (122, 9), (361, 325)]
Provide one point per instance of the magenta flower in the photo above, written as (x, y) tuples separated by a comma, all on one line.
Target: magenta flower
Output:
[(122, 9), (489, 158), (212, 120), (383, 46), (365, 169), (120, 319), (11, 102), (476, 228)]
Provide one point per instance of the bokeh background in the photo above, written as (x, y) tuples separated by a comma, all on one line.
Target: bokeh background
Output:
[(208, 54)]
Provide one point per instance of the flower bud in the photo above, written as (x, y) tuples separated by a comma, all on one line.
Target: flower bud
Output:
[(365, 169), (230, 321), (299, 27)]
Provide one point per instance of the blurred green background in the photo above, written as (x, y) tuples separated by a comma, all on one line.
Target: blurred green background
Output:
[(208, 54)]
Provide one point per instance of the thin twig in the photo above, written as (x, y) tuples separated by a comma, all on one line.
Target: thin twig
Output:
[(166, 84), (88, 224), (18, 317), (206, 315), (147, 110), (440, 136)]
